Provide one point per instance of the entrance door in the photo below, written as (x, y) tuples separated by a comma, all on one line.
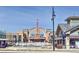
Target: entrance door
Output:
[(72, 43)]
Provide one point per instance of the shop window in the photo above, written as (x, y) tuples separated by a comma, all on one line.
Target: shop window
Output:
[(78, 33)]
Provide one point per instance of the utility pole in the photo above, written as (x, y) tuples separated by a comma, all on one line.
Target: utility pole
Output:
[(52, 19)]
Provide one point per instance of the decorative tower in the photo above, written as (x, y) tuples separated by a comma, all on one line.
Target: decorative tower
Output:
[(37, 35), (37, 27)]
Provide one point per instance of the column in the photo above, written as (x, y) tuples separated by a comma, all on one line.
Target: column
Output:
[(17, 38), (28, 39), (68, 41), (22, 38)]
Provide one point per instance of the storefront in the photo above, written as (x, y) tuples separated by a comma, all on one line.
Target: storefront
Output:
[(74, 41), (59, 42), (39, 39)]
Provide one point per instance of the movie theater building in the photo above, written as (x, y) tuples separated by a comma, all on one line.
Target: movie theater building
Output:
[(31, 35), (35, 34)]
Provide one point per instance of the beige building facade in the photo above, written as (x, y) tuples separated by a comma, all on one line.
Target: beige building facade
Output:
[(30, 35)]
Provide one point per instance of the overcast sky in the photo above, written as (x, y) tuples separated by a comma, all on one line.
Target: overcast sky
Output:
[(13, 19)]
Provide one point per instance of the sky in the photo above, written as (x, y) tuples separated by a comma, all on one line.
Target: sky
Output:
[(15, 18)]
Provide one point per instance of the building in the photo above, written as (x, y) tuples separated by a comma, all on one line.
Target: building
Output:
[(3, 40), (68, 34), (10, 38), (2, 35), (30, 35), (33, 35)]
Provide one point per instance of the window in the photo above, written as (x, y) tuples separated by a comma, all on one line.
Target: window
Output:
[(78, 33), (19, 40), (2, 36)]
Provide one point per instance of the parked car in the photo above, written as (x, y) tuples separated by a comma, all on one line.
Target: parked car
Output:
[(3, 44), (72, 46)]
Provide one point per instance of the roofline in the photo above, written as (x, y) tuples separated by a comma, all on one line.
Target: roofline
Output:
[(72, 28), (72, 17), (57, 28)]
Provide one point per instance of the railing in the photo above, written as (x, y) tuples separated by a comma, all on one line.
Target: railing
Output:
[(35, 44), (35, 38)]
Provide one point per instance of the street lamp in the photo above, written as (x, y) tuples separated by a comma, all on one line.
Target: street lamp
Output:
[(52, 19)]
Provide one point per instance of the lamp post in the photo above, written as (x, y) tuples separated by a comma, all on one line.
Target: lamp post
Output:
[(52, 19)]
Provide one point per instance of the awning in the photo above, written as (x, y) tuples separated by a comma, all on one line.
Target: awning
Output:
[(74, 37), (58, 38)]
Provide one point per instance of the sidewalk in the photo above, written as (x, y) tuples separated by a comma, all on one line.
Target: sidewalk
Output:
[(35, 49)]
